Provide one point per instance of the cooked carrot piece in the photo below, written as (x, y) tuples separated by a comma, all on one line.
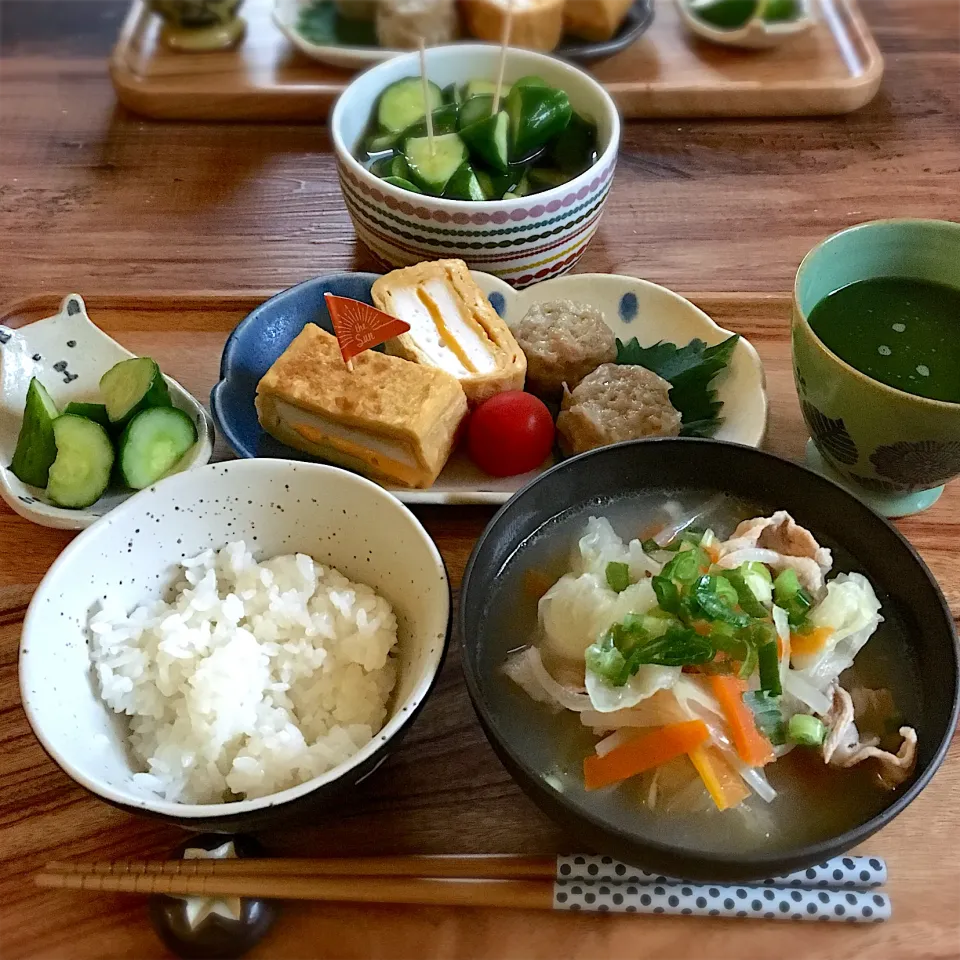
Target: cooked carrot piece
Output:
[(752, 746), (724, 785), (805, 644), (644, 753)]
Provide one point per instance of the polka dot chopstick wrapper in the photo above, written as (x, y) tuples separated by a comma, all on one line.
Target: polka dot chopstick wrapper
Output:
[(841, 890)]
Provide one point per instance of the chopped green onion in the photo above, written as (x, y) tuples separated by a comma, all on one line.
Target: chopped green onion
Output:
[(747, 599), (684, 568), (651, 546), (618, 576), (627, 646), (749, 663), (605, 660), (678, 647), (767, 715), (668, 596), (715, 596), (806, 731), (755, 568), (769, 664), (791, 597)]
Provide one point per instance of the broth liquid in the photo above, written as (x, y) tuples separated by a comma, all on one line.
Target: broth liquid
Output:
[(815, 802)]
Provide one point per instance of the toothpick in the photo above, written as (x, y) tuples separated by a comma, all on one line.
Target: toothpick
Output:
[(426, 95), (504, 43)]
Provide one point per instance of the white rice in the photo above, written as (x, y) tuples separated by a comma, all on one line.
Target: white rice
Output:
[(254, 678)]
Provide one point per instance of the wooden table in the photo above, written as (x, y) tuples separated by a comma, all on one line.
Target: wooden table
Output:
[(94, 200)]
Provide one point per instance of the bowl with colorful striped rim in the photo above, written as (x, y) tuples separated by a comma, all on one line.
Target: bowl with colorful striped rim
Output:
[(522, 241)]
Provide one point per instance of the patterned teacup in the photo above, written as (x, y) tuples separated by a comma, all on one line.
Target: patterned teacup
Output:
[(194, 26), (893, 449)]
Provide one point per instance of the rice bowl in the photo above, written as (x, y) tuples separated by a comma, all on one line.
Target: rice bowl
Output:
[(135, 558)]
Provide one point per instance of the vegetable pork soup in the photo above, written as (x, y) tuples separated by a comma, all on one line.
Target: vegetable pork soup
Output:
[(535, 141), (899, 331), (683, 666)]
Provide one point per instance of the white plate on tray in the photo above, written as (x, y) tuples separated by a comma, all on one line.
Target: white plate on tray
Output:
[(631, 307), (364, 51)]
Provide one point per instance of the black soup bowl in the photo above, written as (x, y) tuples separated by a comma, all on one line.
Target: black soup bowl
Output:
[(525, 739)]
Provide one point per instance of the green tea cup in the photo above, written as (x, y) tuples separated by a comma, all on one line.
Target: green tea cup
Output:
[(892, 449)]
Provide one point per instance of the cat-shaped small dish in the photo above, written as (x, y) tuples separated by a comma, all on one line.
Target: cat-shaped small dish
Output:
[(69, 354)]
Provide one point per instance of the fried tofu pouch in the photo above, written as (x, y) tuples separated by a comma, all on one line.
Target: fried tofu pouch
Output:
[(453, 327), (594, 20), (393, 421)]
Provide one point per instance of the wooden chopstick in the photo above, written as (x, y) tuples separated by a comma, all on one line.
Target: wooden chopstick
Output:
[(451, 866), (530, 894), (670, 898)]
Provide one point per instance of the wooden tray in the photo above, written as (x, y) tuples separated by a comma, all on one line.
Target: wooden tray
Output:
[(832, 69), (444, 791)]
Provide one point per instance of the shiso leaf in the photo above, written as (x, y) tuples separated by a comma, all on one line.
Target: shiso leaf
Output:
[(689, 370)]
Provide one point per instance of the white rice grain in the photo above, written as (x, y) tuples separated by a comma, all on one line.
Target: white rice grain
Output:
[(253, 678)]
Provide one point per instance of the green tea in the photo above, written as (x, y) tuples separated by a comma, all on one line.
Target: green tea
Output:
[(904, 333)]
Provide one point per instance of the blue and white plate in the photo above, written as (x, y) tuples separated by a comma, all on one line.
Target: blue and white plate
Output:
[(631, 307), (69, 355)]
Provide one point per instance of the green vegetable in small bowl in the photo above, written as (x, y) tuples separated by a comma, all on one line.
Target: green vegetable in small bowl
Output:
[(751, 24), (534, 141)]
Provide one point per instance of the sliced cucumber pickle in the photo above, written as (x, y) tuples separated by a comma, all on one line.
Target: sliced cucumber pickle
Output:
[(545, 178), (131, 386), (402, 184), (532, 80), (97, 412), (432, 169), (36, 446), (575, 150), (402, 104), (380, 142), (537, 115), (81, 473), (475, 109), (522, 189), (154, 442), (445, 120), (486, 185), (381, 167), (726, 14), (478, 88), (487, 140), (452, 94), (464, 185)]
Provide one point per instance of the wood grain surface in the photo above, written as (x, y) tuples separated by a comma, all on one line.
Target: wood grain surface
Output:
[(93, 199), (444, 791), (832, 69)]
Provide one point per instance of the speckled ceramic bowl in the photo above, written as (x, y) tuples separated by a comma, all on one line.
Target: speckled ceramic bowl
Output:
[(277, 507), (521, 241)]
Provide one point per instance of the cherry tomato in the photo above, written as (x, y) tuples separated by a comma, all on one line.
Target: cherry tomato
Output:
[(510, 433)]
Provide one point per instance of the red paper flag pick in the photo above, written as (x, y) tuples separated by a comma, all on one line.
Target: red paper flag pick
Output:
[(359, 326)]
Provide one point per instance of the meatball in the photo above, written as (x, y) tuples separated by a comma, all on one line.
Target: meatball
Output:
[(616, 403), (402, 24), (563, 342)]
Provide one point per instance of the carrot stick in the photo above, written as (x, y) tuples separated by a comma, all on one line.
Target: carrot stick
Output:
[(752, 746), (724, 785), (644, 753)]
